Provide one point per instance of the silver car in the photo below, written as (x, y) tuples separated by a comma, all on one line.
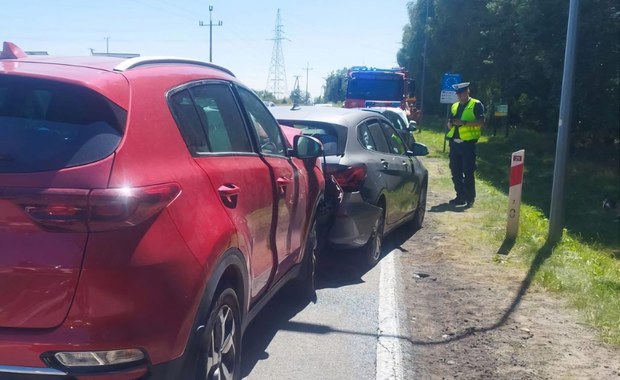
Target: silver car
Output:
[(398, 117), (384, 183)]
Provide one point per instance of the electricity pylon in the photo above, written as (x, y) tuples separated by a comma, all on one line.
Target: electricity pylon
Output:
[(276, 81)]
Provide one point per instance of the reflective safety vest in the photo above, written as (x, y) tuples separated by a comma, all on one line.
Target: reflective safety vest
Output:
[(466, 132)]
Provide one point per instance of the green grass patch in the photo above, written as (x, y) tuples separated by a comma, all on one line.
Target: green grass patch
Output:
[(584, 266)]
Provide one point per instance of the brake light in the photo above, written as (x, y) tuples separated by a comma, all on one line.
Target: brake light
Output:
[(350, 178), (92, 210), (116, 208)]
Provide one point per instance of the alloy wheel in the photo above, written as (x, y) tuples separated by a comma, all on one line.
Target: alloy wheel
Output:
[(222, 350)]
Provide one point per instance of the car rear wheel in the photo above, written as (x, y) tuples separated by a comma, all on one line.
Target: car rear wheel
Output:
[(372, 249), (220, 356)]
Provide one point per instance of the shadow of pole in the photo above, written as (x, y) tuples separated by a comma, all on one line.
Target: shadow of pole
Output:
[(541, 256), (506, 246)]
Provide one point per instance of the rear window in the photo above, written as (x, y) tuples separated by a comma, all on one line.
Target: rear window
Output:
[(376, 87), (46, 125)]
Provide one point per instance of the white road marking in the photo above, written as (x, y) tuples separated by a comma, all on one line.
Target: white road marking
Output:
[(389, 349)]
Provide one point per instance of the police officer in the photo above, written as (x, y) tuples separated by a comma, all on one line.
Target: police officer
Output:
[(465, 124)]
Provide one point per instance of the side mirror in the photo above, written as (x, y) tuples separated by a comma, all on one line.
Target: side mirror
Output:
[(305, 147), (418, 149), (412, 127)]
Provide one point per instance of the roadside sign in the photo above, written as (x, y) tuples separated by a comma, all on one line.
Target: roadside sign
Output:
[(501, 110), (448, 95), (514, 193)]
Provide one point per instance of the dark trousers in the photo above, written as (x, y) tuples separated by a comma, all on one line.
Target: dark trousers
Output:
[(462, 167)]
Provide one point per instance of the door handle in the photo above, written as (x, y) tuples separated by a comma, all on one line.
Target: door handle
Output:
[(229, 193), (282, 183), (385, 164)]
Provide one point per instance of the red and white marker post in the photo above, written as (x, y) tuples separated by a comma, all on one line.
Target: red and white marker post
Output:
[(514, 193)]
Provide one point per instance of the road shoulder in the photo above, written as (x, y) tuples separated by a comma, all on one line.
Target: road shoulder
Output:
[(469, 316)]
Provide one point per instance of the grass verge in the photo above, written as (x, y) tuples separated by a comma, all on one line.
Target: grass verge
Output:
[(584, 266)]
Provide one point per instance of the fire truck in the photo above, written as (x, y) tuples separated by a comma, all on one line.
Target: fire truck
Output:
[(373, 87)]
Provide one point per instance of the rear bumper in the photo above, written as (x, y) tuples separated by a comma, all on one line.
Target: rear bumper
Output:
[(354, 222), (147, 302)]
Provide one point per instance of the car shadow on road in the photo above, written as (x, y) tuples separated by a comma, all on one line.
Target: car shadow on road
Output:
[(275, 316), (541, 256), (335, 268)]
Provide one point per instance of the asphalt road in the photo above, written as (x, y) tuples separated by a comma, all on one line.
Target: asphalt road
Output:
[(336, 338)]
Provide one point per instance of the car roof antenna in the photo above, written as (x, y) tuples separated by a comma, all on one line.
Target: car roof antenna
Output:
[(11, 51)]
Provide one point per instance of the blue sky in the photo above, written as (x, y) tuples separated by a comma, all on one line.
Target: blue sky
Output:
[(322, 35)]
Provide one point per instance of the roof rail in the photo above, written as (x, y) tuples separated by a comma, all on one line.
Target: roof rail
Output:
[(141, 61)]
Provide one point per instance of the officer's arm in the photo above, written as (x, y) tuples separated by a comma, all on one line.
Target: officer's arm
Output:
[(479, 112)]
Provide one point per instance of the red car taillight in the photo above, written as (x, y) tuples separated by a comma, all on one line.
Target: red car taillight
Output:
[(350, 178), (92, 210)]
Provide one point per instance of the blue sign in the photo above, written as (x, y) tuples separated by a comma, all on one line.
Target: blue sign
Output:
[(448, 80), (448, 94)]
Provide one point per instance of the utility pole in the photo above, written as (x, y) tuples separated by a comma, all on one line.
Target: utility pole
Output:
[(556, 215), (308, 68), (107, 45), (210, 25), (423, 84), (296, 85), (296, 90)]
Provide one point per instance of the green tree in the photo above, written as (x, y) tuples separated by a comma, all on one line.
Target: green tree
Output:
[(512, 51), (266, 96), (336, 85), (299, 97)]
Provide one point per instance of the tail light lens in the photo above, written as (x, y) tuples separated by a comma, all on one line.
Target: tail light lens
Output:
[(350, 178), (92, 210)]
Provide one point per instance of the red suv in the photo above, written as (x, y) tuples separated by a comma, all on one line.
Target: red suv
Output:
[(148, 208)]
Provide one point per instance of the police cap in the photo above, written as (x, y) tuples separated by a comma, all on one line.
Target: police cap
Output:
[(460, 87)]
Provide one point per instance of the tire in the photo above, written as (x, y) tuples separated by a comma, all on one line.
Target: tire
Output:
[(303, 286), (418, 218), (219, 355), (372, 249)]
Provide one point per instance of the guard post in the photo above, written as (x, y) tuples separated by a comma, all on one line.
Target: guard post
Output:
[(514, 193)]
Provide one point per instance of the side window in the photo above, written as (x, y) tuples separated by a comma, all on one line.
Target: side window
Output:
[(377, 134), (396, 120), (209, 119), (364, 137), (394, 140), (267, 130)]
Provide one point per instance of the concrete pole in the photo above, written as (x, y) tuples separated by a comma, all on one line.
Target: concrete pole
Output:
[(556, 215)]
